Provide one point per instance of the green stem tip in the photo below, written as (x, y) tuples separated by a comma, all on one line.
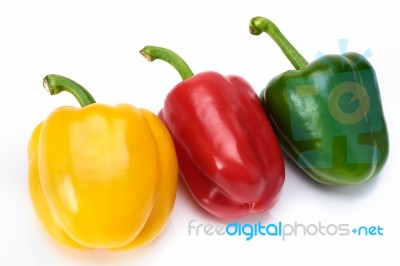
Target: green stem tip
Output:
[(55, 84), (259, 25), (152, 53)]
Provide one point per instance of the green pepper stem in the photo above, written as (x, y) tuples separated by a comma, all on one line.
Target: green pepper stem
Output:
[(259, 25), (56, 84), (152, 53)]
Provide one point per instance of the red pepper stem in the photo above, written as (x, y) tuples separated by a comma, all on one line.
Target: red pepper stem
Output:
[(56, 84), (152, 53), (259, 25)]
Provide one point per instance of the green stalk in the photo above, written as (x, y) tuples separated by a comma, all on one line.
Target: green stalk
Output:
[(56, 84), (152, 53), (259, 25)]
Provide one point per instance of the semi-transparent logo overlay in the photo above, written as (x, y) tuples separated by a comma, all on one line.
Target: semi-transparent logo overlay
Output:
[(347, 101)]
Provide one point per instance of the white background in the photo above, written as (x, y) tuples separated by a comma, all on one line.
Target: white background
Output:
[(96, 43)]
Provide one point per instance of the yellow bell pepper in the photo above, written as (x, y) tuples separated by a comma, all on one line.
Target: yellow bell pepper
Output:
[(101, 176)]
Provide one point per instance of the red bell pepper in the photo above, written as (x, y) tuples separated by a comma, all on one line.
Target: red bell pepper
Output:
[(227, 152)]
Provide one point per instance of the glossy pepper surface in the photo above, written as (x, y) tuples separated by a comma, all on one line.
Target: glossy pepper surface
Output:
[(101, 176), (327, 114), (228, 154)]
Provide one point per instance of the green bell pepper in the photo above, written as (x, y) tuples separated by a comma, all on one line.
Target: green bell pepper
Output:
[(327, 114)]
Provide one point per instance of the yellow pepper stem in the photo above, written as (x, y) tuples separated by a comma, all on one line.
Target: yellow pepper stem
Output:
[(56, 84)]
